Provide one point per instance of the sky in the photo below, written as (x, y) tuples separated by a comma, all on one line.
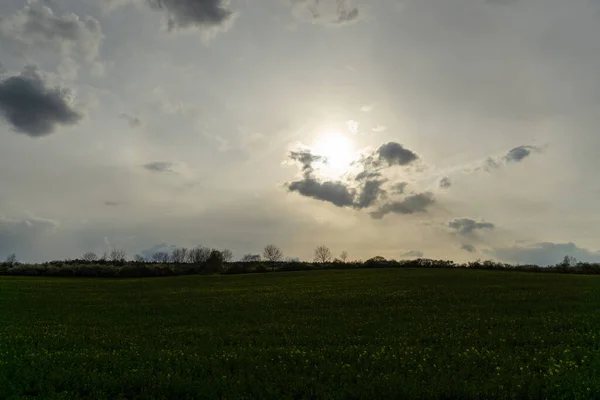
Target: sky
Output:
[(447, 129)]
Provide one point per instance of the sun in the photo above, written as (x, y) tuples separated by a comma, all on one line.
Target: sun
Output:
[(339, 151)]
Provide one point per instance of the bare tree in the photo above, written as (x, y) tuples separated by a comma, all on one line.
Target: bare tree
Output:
[(117, 256), (198, 255), (104, 257), (344, 256), (322, 254), (139, 258), (227, 255), (272, 254), (251, 258), (90, 256), (11, 260), (179, 255), (160, 257)]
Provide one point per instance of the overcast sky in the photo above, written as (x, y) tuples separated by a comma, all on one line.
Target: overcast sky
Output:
[(454, 129)]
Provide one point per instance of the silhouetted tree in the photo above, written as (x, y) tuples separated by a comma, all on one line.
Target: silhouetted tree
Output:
[(11, 260), (272, 254), (117, 256), (139, 258), (568, 261), (198, 255), (179, 255), (227, 255), (322, 254), (251, 258), (214, 262), (160, 257), (89, 256), (344, 256)]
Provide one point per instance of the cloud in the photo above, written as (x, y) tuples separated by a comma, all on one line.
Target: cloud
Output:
[(19, 235), (159, 166), (345, 12), (367, 175), (370, 193), (519, 153), (333, 192), (395, 154), (399, 187), (110, 203), (352, 126), (36, 27), (544, 254), (370, 189), (416, 203), (515, 155), (208, 15), (379, 128), (467, 226), (306, 159), (387, 155), (468, 248), (133, 120), (33, 108), (445, 183), (330, 12), (413, 253), (336, 193)]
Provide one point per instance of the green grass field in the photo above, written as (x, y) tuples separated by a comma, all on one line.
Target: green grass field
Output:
[(381, 333)]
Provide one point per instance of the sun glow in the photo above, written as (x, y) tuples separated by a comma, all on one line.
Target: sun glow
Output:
[(338, 150)]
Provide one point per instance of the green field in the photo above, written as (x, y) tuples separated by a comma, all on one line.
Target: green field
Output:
[(381, 333)]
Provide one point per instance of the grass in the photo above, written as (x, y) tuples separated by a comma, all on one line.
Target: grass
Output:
[(381, 333)]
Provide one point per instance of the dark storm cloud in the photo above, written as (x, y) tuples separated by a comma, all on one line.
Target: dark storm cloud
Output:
[(370, 193), (33, 108), (445, 183), (159, 166), (395, 154), (333, 192), (544, 254), (467, 226), (416, 203), (519, 153), (468, 248), (413, 253), (183, 14)]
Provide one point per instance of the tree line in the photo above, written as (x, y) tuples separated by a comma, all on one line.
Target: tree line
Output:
[(204, 260)]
